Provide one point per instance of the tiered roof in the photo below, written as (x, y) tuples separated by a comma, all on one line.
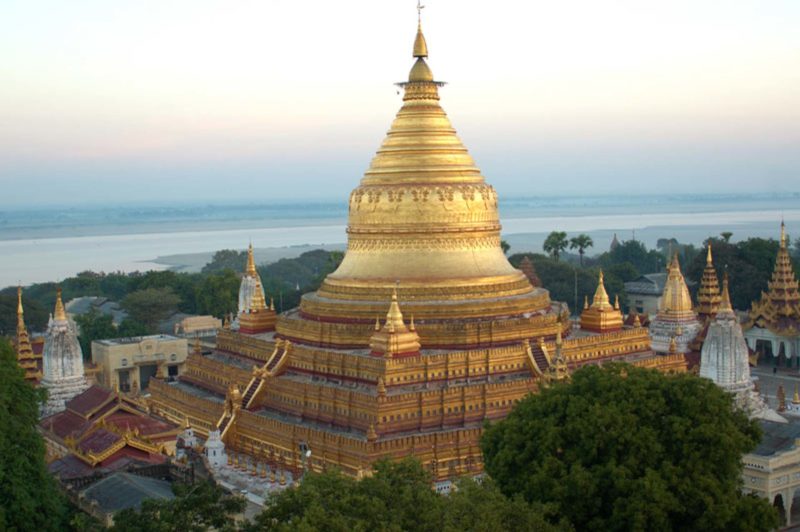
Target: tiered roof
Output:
[(526, 266), (102, 429), (708, 296), (779, 307), (27, 358)]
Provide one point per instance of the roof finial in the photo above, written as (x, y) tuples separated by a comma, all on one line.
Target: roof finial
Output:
[(420, 46), (708, 255), (783, 234), (725, 304), (59, 314), (251, 262), (20, 312)]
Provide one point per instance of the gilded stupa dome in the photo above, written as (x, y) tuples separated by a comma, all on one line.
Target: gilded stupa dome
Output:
[(424, 220)]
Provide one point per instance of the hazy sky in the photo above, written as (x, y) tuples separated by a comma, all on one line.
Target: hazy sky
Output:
[(130, 100)]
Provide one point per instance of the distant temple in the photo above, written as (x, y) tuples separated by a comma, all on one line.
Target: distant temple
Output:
[(676, 319), (423, 333), (250, 289), (773, 324), (62, 361)]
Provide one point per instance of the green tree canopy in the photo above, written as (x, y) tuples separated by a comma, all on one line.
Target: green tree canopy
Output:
[(227, 259), (150, 306), (218, 293), (195, 508), (94, 325), (398, 497), (625, 448), (581, 243), (29, 499), (555, 243), (636, 254)]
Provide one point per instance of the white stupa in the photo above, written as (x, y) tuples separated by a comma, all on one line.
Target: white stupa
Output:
[(251, 283), (724, 360), (62, 361), (215, 450)]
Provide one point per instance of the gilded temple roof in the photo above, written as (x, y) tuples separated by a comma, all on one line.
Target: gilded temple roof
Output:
[(778, 309)]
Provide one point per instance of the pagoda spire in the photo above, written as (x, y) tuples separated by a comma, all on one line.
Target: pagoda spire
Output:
[(59, 314), (250, 271), (708, 296), (600, 299), (26, 358)]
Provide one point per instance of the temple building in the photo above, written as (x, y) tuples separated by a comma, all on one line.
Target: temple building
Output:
[(676, 317), (725, 360), (99, 431), (772, 328), (423, 332), (63, 375), (29, 354), (601, 316)]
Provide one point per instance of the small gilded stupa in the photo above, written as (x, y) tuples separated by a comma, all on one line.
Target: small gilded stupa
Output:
[(676, 317), (601, 316), (394, 339)]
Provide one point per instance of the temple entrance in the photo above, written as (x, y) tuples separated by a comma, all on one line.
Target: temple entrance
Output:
[(778, 504), (764, 350), (796, 507), (172, 372), (124, 380), (146, 372)]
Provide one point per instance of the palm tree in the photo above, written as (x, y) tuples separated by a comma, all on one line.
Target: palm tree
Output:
[(555, 243), (582, 243)]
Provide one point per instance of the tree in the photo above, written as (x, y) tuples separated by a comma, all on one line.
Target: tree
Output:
[(581, 243), (726, 236), (635, 253), (94, 325), (35, 313), (555, 243), (218, 293), (505, 246), (30, 499), (150, 306), (398, 497), (225, 259), (572, 446), (195, 508)]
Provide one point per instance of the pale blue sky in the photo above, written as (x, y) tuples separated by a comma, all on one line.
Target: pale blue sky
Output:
[(270, 99)]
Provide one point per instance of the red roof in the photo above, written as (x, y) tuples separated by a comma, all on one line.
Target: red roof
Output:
[(146, 425), (89, 400), (65, 424), (98, 441)]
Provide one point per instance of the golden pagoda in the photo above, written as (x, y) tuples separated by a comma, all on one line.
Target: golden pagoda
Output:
[(676, 317), (601, 316), (708, 295), (27, 359), (424, 231)]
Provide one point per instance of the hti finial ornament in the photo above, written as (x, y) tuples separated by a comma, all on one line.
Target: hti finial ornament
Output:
[(420, 7)]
